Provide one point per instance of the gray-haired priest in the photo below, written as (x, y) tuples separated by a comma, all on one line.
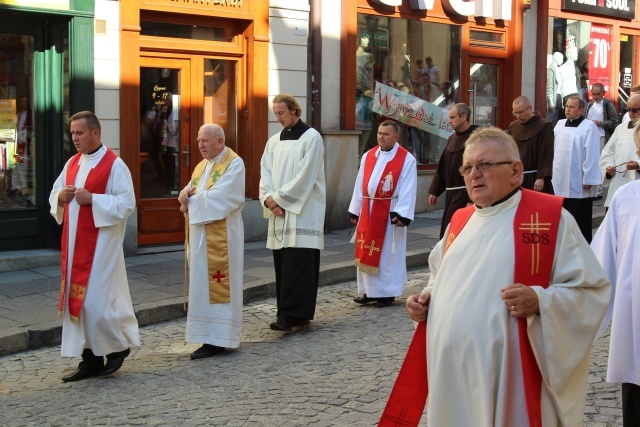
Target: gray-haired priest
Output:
[(213, 200)]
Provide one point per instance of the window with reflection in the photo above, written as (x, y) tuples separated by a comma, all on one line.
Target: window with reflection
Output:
[(409, 71), (159, 132), (17, 132), (578, 55), (220, 97), (625, 84)]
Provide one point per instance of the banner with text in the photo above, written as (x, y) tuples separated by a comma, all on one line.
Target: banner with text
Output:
[(600, 57), (411, 111)]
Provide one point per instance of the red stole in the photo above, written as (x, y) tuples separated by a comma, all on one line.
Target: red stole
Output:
[(535, 229), (373, 222), (86, 234)]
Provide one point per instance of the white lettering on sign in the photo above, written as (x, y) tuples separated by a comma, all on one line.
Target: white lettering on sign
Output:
[(496, 9), (618, 4)]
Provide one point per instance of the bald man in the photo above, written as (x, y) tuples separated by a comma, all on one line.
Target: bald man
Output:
[(534, 137)]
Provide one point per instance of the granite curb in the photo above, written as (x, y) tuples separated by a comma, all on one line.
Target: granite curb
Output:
[(50, 334)]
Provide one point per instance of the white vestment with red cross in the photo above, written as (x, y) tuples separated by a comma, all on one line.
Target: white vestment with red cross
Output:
[(216, 324)]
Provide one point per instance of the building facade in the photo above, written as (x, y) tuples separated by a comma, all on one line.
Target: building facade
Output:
[(154, 71), (582, 43), (39, 86)]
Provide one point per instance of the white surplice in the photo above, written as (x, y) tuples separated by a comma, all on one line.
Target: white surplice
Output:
[(392, 271), (292, 172), (473, 354), (615, 245), (107, 322), (575, 160), (216, 324), (620, 148)]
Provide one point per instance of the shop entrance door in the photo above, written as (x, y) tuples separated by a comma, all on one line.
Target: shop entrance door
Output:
[(177, 96), (486, 88), (164, 149)]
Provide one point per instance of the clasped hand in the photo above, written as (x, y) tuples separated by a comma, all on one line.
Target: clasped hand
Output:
[(273, 206), (183, 198), (82, 195), (520, 300)]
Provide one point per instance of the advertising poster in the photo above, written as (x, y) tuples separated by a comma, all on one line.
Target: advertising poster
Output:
[(600, 57)]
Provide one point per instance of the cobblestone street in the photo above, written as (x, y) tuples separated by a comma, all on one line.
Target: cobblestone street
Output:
[(337, 372)]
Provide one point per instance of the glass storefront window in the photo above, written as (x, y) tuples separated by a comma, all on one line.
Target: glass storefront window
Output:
[(17, 133), (409, 71), (220, 97), (579, 55), (160, 132), (626, 70)]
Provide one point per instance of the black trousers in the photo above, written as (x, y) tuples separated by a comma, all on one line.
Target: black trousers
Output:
[(297, 274), (582, 211), (630, 405)]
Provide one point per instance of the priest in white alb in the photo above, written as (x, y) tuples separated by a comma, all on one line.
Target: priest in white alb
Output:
[(619, 160), (213, 201), (616, 245), (92, 198), (576, 169), (382, 207), (514, 300), (293, 196)]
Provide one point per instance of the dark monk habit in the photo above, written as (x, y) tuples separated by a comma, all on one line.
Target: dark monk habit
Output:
[(448, 176), (535, 143)]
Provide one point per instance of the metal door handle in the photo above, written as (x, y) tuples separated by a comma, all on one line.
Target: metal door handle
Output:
[(187, 152)]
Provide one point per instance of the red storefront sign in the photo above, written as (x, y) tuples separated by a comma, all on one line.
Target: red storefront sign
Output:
[(600, 57)]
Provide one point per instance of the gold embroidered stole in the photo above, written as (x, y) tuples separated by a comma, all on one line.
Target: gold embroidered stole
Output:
[(216, 232)]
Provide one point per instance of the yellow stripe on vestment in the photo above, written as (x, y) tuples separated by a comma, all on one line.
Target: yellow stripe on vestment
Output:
[(217, 239)]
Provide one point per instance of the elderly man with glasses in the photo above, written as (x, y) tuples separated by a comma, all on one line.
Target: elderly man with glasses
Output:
[(514, 301), (576, 174), (619, 160), (534, 137)]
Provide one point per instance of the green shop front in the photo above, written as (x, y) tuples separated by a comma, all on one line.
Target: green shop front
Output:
[(46, 74)]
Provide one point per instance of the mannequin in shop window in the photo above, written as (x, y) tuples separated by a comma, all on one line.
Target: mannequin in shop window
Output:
[(570, 74), (23, 120), (364, 83), (554, 87)]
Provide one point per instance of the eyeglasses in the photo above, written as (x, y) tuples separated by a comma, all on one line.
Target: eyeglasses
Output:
[(624, 172), (519, 113), (633, 110), (482, 167)]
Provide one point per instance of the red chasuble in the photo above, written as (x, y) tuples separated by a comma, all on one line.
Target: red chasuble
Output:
[(86, 234), (535, 230), (372, 224)]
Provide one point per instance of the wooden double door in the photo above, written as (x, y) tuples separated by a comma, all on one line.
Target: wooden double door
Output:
[(178, 94)]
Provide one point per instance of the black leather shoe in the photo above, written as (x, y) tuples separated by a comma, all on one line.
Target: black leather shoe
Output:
[(364, 299), (384, 302), (281, 324), (81, 374), (300, 322), (114, 362), (207, 350), (90, 366)]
